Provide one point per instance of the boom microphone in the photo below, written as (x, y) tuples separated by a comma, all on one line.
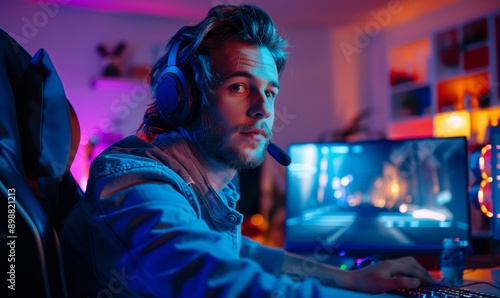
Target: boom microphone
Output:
[(278, 154)]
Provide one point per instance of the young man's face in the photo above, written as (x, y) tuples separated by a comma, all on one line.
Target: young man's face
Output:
[(236, 124)]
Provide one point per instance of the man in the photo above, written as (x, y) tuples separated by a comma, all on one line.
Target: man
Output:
[(158, 217)]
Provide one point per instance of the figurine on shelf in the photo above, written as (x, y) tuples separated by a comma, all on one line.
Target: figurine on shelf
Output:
[(484, 99), (111, 59)]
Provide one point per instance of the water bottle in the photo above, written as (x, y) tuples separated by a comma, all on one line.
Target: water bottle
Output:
[(452, 262)]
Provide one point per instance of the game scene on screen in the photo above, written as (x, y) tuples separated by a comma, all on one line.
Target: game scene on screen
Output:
[(384, 195)]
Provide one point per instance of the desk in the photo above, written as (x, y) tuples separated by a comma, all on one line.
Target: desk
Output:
[(470, 276), (483, 274)]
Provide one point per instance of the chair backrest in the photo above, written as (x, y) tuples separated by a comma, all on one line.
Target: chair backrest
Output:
[(39, 137)]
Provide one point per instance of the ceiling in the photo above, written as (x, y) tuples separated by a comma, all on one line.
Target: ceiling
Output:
[(284, 12)]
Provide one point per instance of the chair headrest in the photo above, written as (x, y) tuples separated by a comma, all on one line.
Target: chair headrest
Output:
[(36, 119), (48, 127), (39, 131), (14, 61)]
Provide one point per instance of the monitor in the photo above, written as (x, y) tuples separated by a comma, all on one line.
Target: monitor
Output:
[(383, 197)]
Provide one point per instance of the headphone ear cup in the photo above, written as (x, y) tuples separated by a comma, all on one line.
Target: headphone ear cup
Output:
[(172, 98)]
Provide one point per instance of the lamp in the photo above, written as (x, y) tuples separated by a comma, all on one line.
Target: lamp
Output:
[(452, 124)]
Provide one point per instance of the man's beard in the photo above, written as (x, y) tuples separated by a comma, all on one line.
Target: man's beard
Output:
[(212, 137)]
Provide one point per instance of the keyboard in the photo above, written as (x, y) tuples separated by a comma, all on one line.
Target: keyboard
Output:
[(440, 291)]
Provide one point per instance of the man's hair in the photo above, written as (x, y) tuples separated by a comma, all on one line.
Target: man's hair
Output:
[(223, 23)]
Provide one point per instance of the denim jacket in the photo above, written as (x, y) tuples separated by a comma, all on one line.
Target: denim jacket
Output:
[(150, 225)]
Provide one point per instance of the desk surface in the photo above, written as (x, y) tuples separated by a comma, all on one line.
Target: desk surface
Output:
[(484, 275), (470, 276)]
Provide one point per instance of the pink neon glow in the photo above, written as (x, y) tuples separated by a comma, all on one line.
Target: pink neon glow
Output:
[(177, 9)]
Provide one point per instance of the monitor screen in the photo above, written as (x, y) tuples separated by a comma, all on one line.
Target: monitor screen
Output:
[(386, 197)]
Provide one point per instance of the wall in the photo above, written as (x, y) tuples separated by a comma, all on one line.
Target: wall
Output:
[(71, 37), (306, 102)]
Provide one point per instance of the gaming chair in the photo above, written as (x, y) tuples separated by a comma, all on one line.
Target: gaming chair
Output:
[(39, 136)]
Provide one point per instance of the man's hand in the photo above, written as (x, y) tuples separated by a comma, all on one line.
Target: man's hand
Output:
[(389, 275), (381, 277)]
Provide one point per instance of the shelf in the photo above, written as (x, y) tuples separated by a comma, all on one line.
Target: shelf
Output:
[(411, 127), (474, 45), (475, 32), (408, 86), (433, 84), (412, 102), (408, 63), (457, 75), (463, 92), (463, 48)]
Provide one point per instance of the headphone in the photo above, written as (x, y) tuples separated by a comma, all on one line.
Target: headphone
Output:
[(172, 99)]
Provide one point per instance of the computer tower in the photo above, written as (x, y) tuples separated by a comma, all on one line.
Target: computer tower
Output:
[(495, 190)]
